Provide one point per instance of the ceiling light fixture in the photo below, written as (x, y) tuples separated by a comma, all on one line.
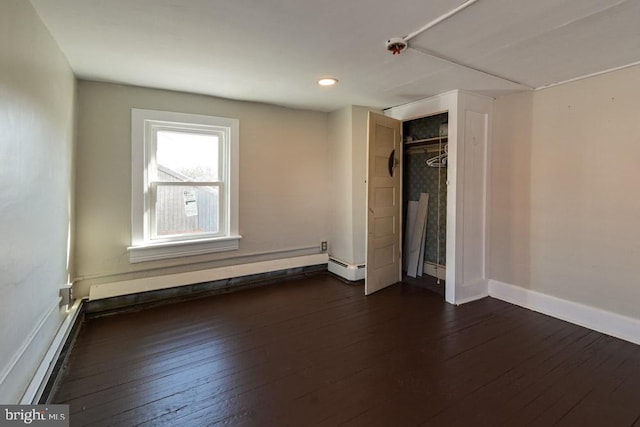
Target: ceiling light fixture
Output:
[(328, 81)]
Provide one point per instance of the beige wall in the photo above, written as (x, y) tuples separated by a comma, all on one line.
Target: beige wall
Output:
[(565, 223), (360, 120), (37, 91), (510, 191), (283, 181), (347, 176), (341, 201)]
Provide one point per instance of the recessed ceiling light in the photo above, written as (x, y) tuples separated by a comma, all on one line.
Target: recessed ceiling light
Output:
[(329, 81)]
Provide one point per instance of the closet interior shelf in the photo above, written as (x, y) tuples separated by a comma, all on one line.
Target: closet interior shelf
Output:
[(427, 145), (426, 141)]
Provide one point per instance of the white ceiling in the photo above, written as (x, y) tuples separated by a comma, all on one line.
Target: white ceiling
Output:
[(275, 50)]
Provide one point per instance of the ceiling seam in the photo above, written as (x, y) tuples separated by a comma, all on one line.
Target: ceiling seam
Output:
[(586, 76), (515, 43), (468, 67)]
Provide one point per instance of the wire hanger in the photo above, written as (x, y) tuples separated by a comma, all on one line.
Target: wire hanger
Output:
[(439, 161)]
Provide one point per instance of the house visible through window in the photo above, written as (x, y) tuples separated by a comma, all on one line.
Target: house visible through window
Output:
[(184, 186)]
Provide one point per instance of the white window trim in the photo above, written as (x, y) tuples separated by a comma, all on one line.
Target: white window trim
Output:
[(142, 248)]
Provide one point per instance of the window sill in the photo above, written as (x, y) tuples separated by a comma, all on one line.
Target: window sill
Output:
[(182, 248)]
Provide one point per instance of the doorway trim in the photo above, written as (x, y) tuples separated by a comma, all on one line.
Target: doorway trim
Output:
[(467, 187)]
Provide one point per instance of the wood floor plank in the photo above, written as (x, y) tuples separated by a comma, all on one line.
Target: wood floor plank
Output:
[(316, 351)]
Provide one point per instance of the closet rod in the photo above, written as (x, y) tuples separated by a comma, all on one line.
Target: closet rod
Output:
[(422, 150)]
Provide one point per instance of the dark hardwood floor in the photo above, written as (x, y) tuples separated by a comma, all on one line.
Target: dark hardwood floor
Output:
[(316, 351)]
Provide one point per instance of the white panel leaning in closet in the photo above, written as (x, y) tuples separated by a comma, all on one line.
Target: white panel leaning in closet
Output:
[(415, 236)]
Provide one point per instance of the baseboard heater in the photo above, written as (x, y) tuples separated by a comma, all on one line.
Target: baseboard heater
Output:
[(148, 291), (44, 381), (347, 271)]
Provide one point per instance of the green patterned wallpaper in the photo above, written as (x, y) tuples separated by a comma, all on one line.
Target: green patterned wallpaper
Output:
[(426, 127), (419, 178)]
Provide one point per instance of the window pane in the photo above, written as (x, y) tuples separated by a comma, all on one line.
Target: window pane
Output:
[(183, 156), (186, 210)]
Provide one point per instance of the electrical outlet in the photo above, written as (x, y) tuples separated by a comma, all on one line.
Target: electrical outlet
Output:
[(323, 246)]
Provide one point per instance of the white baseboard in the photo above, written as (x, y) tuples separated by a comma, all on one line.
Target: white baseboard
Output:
[(607, 322), (16, 375), (471, 291), (345, 270), (127, 287)]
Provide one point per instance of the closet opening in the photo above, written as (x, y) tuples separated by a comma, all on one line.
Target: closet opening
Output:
[(424, 196)]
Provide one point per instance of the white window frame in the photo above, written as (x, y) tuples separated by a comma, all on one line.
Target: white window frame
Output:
[(144, 126)]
